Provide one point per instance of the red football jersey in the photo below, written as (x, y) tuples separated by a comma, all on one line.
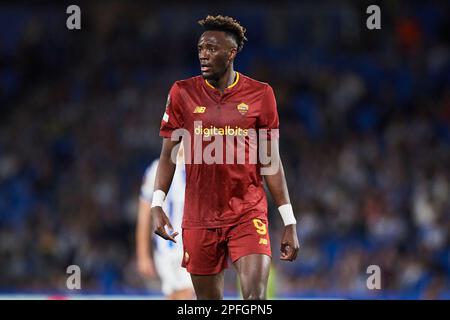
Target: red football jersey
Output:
[(227, 192)]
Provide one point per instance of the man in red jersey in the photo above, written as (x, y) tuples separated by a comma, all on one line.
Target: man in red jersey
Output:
[(225, 210)]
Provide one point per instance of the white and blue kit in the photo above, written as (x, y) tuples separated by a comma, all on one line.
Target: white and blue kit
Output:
[(168, 255)]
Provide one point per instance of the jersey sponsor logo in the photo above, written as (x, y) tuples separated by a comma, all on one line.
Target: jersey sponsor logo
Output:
[(199, 109), (242, 108), (229, 144), (262, 241), (225, 131)]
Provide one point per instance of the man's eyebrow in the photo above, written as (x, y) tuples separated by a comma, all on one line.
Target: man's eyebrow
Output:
[(208, 44)]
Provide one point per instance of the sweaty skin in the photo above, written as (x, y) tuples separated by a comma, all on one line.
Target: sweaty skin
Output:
[(216, 52)]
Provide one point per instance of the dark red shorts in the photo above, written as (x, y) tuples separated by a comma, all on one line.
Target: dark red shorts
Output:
[(206, 251)]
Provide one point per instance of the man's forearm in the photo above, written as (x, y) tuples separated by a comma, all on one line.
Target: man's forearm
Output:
[(277, 186), (166, 167), (143, 243), (164, 175)]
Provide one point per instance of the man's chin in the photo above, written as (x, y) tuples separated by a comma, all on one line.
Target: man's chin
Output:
[(208, 76)]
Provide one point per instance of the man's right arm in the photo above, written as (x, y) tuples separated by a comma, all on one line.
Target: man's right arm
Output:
[(164, 176)]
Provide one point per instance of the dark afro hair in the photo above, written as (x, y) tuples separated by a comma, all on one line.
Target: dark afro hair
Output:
[(226, 24)]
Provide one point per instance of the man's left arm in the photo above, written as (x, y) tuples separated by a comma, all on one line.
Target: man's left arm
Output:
[(276, 183), (273, 172)]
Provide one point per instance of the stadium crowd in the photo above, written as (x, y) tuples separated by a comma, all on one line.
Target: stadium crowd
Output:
[(365, 138)]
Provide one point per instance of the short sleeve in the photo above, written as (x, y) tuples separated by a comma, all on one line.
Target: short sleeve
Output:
[(268, 118), (173, 116)]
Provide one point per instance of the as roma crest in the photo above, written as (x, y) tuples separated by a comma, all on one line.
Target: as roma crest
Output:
[(242, 108)]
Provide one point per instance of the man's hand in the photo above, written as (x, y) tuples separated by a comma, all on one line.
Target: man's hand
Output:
[(145, 267), (160, 220), (289, 243)]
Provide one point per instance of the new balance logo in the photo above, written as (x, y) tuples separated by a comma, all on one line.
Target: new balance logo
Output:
[(199, 109)]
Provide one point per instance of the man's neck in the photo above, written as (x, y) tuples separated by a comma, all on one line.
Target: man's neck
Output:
[(225, 81)]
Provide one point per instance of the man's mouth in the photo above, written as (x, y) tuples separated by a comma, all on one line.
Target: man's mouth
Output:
[(205, 68)]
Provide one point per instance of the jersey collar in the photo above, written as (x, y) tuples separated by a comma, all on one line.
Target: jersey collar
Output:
[(229, 87)]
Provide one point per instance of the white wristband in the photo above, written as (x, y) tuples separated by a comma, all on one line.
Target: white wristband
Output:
[(158, 198), (287, 214)]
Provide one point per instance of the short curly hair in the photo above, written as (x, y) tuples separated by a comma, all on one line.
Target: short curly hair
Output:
[(225, 24)]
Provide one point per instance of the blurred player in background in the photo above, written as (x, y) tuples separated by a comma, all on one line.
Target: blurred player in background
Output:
[(225, 213), (167, 256)]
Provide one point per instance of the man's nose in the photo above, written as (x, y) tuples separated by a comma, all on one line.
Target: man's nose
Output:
[(202, 54)]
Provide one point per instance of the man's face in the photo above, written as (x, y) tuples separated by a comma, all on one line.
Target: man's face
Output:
[(216, 50)]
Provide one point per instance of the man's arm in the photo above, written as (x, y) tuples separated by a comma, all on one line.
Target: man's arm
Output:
[(164, 176), (143, 243), (277, 186)]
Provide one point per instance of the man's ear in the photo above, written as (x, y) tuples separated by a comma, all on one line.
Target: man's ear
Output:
[(232, 54)]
